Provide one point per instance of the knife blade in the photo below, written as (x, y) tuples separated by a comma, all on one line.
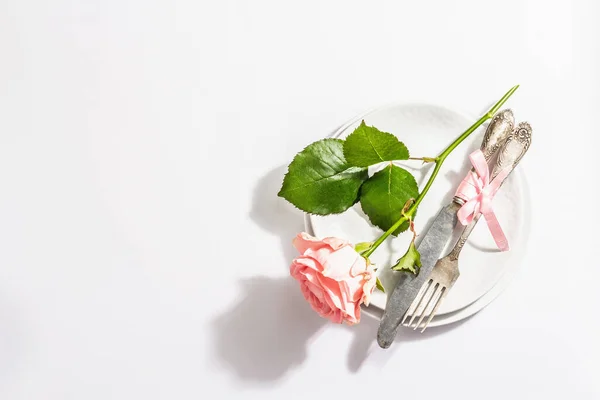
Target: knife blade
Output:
[(434, 240), (408, 286)]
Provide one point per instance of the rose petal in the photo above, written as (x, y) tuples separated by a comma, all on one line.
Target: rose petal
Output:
[(325, 311), (333, 295), (370, 281), (359, 266), (297, 270), (317, 291), (357, 313), (315, 278), (335, 243), (303, 241), (311, 276), (333, 277), (301, 263), (305, 292), (353, 289), (348, 305), (368, 288), (357, 288), (336, 316), (345, 289), (353, 317), (314, 302), (337, 264)]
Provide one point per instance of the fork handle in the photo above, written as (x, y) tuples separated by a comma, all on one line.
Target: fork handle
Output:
[(455, 253), (511, 153)]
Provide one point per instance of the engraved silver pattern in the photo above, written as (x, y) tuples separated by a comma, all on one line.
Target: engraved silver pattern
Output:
[(501, 126)]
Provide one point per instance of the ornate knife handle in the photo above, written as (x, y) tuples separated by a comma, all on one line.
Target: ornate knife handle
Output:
[(496, 133), (512, 152)]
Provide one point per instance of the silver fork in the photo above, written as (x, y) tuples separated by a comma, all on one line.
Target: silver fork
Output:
[(445, 272)]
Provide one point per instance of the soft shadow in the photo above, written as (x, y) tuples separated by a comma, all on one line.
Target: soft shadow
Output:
[(484, 248), (266, 333), (11, 341), (365, 348), (274, 214)]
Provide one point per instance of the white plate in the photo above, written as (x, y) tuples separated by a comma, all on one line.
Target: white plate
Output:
[(426, 129)]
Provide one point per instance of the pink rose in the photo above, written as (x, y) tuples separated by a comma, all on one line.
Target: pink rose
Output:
[(333, 277)]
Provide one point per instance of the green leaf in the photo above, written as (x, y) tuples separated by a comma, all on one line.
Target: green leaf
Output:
[(320, 181), (363, 246), (379, 285), (409, 262), (383, 196), (368, 145)]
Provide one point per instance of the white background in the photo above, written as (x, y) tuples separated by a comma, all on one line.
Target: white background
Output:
[(144, 253)]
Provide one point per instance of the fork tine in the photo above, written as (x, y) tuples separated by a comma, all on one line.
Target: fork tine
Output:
[(423, 301), (436, 306), (436, 289), (415, 303)]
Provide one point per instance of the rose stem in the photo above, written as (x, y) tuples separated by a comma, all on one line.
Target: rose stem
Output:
[(439, 160)]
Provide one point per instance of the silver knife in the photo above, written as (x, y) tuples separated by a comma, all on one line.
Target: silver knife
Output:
[(435, 239)]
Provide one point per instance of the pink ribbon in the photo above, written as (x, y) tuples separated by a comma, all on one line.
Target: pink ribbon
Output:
[(477, 191)]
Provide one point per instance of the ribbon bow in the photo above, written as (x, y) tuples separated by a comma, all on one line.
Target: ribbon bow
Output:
[(477, 191)]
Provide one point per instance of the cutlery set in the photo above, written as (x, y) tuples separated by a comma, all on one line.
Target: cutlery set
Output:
[(415, 299)]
